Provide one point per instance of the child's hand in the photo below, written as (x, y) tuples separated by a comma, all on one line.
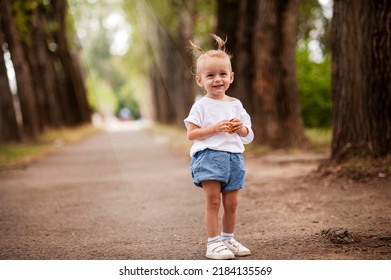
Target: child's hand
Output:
[(222, 126), (236, 125)]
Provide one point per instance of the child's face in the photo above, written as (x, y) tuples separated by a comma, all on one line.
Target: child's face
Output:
[(215, 75)]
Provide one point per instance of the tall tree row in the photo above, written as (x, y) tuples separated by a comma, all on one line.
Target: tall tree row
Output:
[(262, 36), (361, 74), (50, 87)]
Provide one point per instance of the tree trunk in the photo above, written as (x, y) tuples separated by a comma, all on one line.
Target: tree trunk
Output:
[(9, 130), (38, 84), (51, 111), (75, 98), (172, 83), (24, 81), (264, 62), (184, 85), (244, 57), (167, 71), (227, 22), (361, 79), (277, 121)]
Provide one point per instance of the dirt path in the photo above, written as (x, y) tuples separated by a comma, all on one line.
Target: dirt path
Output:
[(122, 195)]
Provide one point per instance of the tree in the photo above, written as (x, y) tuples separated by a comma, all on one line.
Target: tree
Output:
[(50, 87), (265, 70), (278, 119), (227, 22), (72, 78), (361, 75), (9, 130), (184, 89), (27, 98), (167, 27), (244, 56), (51, 114)]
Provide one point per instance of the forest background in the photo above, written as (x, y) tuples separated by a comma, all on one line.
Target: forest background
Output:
[(63, 61)]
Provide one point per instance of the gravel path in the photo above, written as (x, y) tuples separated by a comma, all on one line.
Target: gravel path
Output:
[(124, 194)]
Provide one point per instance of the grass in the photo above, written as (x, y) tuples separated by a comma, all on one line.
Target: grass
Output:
[(320, 138), (12, 155)]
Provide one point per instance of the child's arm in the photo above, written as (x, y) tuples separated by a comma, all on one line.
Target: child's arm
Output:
[(194, 132)]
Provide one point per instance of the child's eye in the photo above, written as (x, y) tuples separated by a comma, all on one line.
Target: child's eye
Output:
[(223, 74), (209, 75)]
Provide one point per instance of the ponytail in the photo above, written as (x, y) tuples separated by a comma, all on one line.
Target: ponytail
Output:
[(219, 42), (220, 52)]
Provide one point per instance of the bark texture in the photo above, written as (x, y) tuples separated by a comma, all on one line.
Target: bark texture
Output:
[(361, 77)]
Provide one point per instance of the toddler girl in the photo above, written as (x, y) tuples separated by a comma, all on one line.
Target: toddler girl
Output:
[(219, 126)]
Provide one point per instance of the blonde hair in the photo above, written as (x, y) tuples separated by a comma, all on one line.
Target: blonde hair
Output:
[(220, 52)]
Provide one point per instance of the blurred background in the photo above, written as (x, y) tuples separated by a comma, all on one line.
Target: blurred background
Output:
[(69, 63)]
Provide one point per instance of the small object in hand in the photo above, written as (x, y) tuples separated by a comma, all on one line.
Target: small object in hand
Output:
[(230, 126)]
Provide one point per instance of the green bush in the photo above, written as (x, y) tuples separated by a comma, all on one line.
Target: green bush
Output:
[(314, 84)]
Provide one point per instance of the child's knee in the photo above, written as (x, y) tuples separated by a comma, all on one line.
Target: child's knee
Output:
[(230, 206), (213, 203)]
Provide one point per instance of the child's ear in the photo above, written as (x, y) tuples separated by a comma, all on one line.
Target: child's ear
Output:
[(232, 77), (199, 82)]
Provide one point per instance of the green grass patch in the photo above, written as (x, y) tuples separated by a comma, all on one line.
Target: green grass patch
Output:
[(320, 138), (16, 154)]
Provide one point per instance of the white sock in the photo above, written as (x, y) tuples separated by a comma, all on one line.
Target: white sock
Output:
[(214, 239), (226, 236)]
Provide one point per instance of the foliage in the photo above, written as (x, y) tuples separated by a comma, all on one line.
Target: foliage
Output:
[(127, 99), (313, 65), (314, 83), (313, 24), (22, 10), (100, 94), (111, 77), (205, 23)]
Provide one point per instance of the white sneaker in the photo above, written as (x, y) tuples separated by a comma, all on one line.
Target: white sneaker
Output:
[(218, 251), (236, 248)]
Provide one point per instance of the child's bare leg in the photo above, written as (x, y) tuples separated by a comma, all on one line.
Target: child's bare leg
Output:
[(215, 249), (212, 205), (230, 204)]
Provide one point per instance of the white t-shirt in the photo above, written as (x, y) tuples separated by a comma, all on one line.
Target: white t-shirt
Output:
[(207, 112)]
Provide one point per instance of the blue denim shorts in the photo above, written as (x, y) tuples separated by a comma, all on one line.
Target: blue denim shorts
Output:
[(226, 167)]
